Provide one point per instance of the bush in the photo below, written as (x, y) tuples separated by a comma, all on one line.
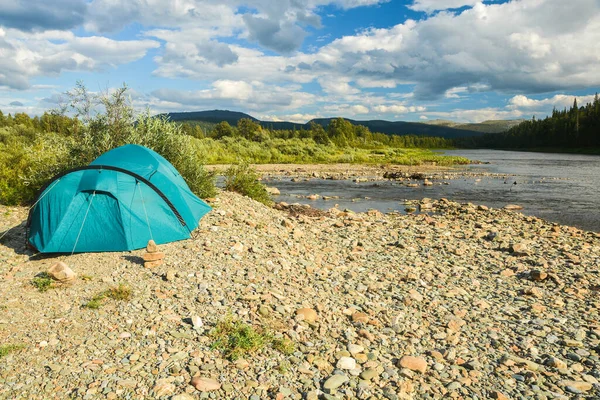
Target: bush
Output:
[(29, 156), (243, 179)]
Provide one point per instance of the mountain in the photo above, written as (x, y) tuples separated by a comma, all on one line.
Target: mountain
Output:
[(490, 126), (215, 116), (440, 128)]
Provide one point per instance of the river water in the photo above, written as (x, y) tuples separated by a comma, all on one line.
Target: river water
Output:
[(563, 188)]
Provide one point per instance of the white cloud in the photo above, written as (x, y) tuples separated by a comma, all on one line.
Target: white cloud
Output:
[(296, 118), (435, 5), (558, 101), (24, 55), (254, 96), (548, 45), (398, 109)]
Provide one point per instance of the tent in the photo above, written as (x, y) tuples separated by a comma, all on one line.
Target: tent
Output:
[(124, 198)]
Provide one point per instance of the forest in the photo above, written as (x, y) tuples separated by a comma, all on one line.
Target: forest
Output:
[(573, 129)]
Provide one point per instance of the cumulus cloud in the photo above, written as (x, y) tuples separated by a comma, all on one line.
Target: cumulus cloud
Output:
[(24, 55), (283, 37), (435, 5), (398, 109), (16, 104), (233, 94), (549, 45), (41, 15), (558, 101)]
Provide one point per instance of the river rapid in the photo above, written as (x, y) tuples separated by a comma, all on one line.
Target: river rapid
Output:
[(563, 188)]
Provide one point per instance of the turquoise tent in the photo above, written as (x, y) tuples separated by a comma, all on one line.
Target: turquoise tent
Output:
[(124, 198)]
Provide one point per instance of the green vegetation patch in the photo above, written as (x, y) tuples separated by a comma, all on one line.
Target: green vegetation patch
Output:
[(237, 339), (243, 179), (120, 293), (42, 282), (6, 349)]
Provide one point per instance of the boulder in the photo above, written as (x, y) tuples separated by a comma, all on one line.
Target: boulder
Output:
[(61, 272)]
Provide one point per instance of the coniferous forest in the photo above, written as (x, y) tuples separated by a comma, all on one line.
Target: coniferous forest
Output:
[(576, 128)]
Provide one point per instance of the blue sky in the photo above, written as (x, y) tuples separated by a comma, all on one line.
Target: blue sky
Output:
[(415, 60)]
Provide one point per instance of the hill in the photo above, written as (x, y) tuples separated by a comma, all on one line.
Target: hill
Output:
[(387, 127), (490, 126)]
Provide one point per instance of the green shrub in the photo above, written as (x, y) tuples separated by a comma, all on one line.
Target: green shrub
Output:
[(236, 339), (243, 179), (29, 158)]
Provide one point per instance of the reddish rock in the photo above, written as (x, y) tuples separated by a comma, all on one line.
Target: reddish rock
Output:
[(153, 256), (309, 314), (153, 264), (498, 395), (360, 317), (205, 384), (413, 363)]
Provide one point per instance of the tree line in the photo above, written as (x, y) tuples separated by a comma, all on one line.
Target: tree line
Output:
[(575, 128), (339, 132)]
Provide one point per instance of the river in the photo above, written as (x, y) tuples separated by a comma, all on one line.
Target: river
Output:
[(562, 188)]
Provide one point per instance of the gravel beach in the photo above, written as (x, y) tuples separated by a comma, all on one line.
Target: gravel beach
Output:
[(465, 302)]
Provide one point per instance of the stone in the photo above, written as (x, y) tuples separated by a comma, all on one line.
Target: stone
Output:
[(273, 191), (538, 275), (513, 207), (498, 395), (519, 249), (308, 314), (413, 363), (151, 247), (182, 396), (159, 255), (346, 363), (163, 388), (204, 384), (556, 363), (579, 386), (170, 275), (355, 348), (335, 381), (61, 272), (197, 322), (153, 264), (360, 317), (369, 374)]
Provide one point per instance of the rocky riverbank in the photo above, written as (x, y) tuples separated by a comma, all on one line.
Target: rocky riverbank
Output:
[(469, 302), (361, 172)]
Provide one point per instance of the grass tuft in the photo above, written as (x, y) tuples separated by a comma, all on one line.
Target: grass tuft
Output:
[(6, 349), (42, 282), (284, 346), (236, 339), (121, 293)]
